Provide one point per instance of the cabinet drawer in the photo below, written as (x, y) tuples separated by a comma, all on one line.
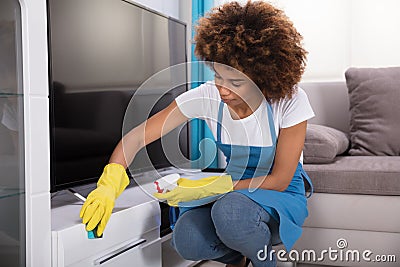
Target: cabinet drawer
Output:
[(138, 252), (71, 245)]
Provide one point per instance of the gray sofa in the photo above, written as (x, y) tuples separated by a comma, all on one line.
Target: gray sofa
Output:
[(355, 210)]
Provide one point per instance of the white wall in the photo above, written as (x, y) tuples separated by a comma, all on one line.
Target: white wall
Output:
[(324, 26), (343, 33), (375, 34)]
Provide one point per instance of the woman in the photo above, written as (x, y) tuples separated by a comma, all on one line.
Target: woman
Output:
[(258, 116)]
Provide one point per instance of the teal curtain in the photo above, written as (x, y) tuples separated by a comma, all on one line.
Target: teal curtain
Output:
[(203, 149)]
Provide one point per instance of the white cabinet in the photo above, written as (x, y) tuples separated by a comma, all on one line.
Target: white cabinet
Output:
[(12, 161), (131, 237), (26, 233), (137, 252)]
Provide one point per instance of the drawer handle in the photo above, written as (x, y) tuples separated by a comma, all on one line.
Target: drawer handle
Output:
[(118, 252)]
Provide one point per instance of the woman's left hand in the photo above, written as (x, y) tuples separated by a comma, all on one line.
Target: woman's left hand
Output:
[(188, 190)]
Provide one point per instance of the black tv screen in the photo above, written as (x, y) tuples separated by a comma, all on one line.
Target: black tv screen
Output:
[(100, 53)]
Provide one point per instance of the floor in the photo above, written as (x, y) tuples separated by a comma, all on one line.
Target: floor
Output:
[(280, 264)]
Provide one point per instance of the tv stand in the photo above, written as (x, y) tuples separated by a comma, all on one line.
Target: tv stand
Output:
[(133, 229), (132, 235), (76, 194)]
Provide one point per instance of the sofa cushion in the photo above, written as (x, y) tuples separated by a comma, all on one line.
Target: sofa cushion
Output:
[(323, 144), (374, 95), (373, 175)]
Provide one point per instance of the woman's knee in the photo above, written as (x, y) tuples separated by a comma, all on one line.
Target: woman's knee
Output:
[(229, 215), (185, 249), (194, 239), (235, 216)]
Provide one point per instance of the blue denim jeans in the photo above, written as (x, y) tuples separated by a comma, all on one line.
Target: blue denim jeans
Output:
[(226, 230)]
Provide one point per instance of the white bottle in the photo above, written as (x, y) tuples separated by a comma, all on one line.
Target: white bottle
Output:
[(166, 183)]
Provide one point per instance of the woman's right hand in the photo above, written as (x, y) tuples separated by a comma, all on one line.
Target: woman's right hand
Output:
[(99, 204), (97, 209)]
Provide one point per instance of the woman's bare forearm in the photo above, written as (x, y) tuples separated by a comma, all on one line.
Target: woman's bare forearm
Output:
[(128, 147), (152, 129), (288, 151)]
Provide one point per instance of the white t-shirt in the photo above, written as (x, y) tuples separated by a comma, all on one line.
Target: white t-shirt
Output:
[(203, 102)]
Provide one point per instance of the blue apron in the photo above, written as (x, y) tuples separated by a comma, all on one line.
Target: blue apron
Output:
[(243, 162), (289, 207)]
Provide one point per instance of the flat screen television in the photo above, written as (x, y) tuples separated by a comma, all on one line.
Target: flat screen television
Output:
[(100, 53)]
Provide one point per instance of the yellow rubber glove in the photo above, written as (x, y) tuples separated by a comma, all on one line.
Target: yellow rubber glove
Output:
[(97, 209), (188, 190)]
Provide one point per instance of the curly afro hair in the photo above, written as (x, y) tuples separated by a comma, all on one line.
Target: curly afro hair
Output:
[(256, 39)]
